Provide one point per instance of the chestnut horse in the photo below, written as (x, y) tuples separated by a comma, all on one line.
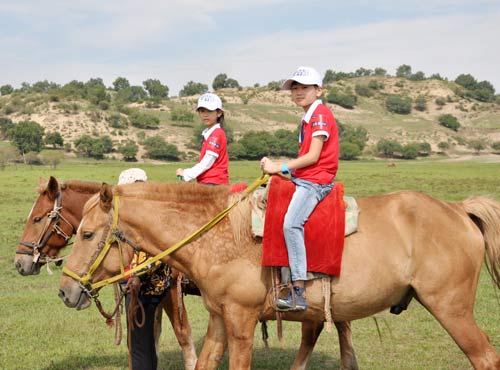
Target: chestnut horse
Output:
[(54, 219), (406, 242)]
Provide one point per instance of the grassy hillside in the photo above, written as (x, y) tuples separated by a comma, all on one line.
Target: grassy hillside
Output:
[(258, 108)]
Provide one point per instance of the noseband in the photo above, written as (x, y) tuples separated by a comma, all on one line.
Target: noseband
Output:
[(53, 217)]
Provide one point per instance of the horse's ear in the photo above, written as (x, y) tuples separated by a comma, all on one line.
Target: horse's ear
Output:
[(52, 188), (106, 197)]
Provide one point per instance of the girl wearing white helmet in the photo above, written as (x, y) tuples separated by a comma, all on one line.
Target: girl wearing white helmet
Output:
[(212, 168)]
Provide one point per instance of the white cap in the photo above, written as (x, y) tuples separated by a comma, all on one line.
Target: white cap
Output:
[(209, 101), (304, 76), (132, 175)]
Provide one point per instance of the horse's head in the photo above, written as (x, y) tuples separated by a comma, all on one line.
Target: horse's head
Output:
[(97, 253), (47, 230)]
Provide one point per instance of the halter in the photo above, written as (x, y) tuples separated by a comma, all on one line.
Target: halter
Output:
[(112, 235), (54, 215)]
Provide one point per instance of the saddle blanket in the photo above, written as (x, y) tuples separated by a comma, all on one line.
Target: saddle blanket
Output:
[(324, 231)]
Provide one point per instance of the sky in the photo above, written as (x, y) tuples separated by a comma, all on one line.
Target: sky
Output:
[(252, 41)]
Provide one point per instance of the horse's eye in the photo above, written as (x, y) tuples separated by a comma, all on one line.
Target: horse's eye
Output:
[(87, 235), (37, 219)]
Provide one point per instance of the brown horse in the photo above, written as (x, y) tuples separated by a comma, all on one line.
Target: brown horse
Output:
[(53, 220), (406, 242)]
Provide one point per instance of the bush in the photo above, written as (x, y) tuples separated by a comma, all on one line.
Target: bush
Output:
[(181, 115), (158, 148), (496, 146), (388, 148), (349, 150), (339, 98), (449, 121), (440, 102), (443, 145), (129, 151), (410, 151), (421, 103), (116, 120), (363, 90), (398, 104), (143, 120), (477, 145)]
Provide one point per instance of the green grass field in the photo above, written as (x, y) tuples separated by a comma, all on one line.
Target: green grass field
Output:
[(38, 332)]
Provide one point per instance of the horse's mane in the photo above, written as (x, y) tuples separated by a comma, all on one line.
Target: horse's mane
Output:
[(89, 187), (85, 187), (239, 217), (174, 192)]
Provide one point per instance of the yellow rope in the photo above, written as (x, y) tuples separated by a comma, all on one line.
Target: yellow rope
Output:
[(144, 265)]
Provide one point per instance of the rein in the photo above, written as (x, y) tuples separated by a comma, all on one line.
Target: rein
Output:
[(113, 235), (36, 247)]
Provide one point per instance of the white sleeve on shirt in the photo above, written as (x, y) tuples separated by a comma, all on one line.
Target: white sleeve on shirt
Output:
[(206, 162)]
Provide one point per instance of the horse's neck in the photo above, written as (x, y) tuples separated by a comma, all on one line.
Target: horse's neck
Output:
[(73, 201), (163, 226)]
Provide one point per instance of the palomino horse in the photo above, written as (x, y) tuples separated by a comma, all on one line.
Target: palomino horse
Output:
[(54, 219), (406, 241)]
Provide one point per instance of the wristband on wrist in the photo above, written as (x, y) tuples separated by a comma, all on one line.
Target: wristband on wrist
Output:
[(284, 169)]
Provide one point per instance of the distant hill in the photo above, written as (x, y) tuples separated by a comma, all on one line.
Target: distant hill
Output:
[(260, 108)]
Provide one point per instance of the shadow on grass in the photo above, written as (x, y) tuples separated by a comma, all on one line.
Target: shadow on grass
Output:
[(79, 362), (262, 359)]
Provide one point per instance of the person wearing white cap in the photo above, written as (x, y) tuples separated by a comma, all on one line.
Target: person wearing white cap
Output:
[(313, 173), (212, 168), (150, 289)]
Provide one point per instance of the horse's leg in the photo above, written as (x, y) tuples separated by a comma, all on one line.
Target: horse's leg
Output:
[(454, 311), (157, 329), (240, 325), (214, 344), (182, 329), (347, 356), (310, 333)]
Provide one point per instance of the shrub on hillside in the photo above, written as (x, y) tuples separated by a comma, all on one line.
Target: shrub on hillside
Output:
[(398, 104), (335, 96), (421, 103), (363, 90), (55, 139), (496, 146), (116, 120), (157, 148), (178, 114), (440, 102), (143, 120), (443, 145), (449, 121), (477, 145)]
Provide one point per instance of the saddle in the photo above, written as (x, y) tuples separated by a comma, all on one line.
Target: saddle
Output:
[(324, 231)]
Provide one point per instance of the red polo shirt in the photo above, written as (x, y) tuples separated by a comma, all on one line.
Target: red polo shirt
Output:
[(317, 121), (215, 144)]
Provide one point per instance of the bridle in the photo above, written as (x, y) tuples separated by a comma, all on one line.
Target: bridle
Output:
[(53, 217), (112, 235)]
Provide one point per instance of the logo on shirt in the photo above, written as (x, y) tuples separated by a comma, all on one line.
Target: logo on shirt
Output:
[(319, 124), (213, 141)]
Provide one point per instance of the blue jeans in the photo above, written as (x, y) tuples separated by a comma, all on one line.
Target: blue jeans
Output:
[(305, 199)]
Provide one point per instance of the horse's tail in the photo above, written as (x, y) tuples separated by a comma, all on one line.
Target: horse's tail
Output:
[(485, 213)]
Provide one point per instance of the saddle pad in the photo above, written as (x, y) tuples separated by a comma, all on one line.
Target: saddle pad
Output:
[(324, 231)]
